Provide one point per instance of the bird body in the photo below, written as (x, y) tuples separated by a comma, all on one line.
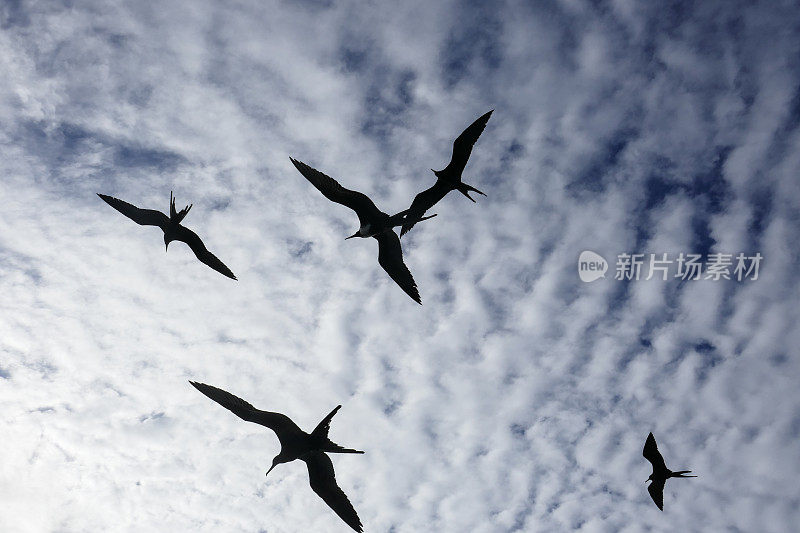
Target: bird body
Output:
[(312, 448), (660, 471), (172, 228), (449, 178), (373, 223)]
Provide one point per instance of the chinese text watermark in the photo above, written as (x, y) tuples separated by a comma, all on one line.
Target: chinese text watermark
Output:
[(684, 266)]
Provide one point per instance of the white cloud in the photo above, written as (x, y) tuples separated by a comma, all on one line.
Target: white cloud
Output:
[(517, 398)]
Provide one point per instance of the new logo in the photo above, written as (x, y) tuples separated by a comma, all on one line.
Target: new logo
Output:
[(591, 266)]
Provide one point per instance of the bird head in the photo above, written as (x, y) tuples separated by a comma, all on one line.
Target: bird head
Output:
[(167, 240), (275, 462)]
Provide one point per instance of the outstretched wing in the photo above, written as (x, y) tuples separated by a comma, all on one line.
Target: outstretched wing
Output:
[(281, 424), (143, 217), (424, 201), (656, 490), (333, 191), (323, 482), (390, 257), (651, 453), (189, 237), (462, 146)]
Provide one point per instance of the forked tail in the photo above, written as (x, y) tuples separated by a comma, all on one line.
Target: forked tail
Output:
[(321, 432), (465, 189), (332, 447), (177, 216), (409, 222)]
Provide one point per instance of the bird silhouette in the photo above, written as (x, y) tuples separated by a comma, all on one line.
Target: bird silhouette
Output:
[(374, 223), (660, 473), (297, 444), (449, 178), (172, 228)]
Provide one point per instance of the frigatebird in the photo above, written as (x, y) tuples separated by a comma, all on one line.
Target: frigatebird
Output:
[(449, 178), (172, 228), (374, 223), (297, 444), (660, 473)]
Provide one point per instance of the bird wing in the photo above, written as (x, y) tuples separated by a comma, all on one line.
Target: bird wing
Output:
[(651, 453), (333, 191), (323, 482), (143, 217), (282, 425), (390, 257), (462, 146), (189, 237), (424, 201), (656, 490)]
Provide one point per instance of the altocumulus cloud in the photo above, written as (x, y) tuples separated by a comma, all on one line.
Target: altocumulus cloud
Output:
[(517, 398)]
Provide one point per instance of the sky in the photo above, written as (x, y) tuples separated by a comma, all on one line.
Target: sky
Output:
[(517, 397)]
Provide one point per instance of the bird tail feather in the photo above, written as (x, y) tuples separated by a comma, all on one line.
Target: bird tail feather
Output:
[(465, 189), (682, 473), (332, 447)]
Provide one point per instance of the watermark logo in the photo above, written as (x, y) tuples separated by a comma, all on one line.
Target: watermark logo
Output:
[(591, 266), (684, 267)]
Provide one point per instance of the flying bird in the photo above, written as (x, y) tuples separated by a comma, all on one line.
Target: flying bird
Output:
[(374, 223), (172, 228), (660, 471), (297, 444), (449, 178)]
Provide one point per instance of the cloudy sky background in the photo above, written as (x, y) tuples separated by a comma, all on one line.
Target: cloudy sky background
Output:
[(517, 398)]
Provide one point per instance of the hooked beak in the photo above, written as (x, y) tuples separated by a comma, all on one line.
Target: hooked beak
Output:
[(351, 236), (270, 468), (166, 247)]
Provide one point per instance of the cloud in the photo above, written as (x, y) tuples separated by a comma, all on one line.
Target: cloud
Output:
[(517, 398)]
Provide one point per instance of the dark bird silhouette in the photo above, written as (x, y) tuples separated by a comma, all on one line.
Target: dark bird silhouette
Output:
[(374, 223), (172, 228), (660, 473), (297, 444), (448, 179)]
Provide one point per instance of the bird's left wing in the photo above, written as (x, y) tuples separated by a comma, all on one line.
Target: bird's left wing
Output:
[(143, 217), (333, 191), (651, 453), (390, 257), (323, 481), (189, 237), (656, 490), (281, 424), (462, 146)]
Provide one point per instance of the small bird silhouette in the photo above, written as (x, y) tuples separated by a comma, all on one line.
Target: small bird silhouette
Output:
[(660, 471), (374, 223), (297, 444), (448, 179), (172, 228)]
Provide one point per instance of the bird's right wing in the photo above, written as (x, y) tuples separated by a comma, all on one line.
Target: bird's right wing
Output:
[(279, 423), (333, 191), (143, 217), (651, 453), (422, 202), (323, 481), (462, 146), (196, 244), (656, 490), (390, 257)]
